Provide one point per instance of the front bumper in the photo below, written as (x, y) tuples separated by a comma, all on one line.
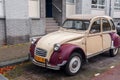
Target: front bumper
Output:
[(45, 65)]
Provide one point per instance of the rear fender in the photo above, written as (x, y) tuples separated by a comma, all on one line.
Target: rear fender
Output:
[(116, 40), (64, 54)]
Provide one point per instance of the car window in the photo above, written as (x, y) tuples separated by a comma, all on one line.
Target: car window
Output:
[(112, 24), (76, 24), (106, 25), (95, 28)]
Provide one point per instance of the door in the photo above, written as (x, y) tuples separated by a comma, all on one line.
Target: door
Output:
[(106, 28), (94, 38), (48, 8)]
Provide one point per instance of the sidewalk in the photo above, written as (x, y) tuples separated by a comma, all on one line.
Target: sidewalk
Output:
[(112, 74), (13, 54)]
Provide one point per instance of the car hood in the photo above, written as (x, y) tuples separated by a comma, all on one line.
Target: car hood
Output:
[(47, 42)]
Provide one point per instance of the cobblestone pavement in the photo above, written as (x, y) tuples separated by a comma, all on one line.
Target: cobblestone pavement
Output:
[(97, 65), (112, 74), (12, 52)]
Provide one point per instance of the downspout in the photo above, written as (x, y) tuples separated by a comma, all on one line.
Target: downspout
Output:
[(110, 8), (5, 26)]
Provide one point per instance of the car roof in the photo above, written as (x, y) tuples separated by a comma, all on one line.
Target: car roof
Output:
[(87, 17)]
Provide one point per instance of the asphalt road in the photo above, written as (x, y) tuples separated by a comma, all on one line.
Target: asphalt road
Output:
[(97, 64)]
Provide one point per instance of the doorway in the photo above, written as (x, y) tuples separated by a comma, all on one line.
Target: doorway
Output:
[(48, 8)]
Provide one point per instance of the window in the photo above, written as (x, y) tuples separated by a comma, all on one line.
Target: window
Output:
[(76, 24), (70, 1), (106, 25), (117, 5), (112, 24), (34, 8), (1, 9), (95, 28), (98, 4)]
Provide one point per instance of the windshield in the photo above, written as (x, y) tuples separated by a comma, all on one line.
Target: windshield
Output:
[(76, 24)]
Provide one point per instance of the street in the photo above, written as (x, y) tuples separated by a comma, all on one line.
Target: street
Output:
[(97, 64)]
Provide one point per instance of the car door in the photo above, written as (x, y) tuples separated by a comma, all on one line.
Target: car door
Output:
[(94, 38), (106, 30)]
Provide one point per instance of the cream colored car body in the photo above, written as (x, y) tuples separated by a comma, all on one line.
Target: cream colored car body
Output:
[(91, 44), (81, 44)]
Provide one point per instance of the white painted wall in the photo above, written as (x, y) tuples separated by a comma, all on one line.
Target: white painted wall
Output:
[(70, 9), (116, 14), (98, 12), (1, 9)]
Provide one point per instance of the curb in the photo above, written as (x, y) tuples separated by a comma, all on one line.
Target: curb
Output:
[(15, 61), (2, 77)]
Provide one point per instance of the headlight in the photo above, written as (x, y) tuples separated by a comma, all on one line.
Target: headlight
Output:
[(33, 40), (57, 47)]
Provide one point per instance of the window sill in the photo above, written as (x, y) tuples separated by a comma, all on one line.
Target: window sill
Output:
[(35, 18)]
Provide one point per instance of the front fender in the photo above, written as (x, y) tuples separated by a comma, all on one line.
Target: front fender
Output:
[(64, 54)]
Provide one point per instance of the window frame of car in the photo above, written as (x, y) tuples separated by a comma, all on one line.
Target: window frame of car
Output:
[(111, 30), (92, 22), (76, 20), (108, 24)]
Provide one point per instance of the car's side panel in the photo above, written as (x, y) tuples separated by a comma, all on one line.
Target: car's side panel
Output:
[(94, 44), (106, 41), (64, 54)]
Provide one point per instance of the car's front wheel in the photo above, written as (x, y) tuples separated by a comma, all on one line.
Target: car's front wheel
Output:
[(114, 52), (74, 64)]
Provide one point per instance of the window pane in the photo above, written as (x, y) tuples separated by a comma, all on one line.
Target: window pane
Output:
[(117, 5), (76, 24), (95, 28), (98, 4), (112, 24), (106, 25), (102, 2), (94, 1), (70, 1)]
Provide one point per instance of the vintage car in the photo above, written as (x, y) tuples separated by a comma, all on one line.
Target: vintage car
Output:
[(80, 37)]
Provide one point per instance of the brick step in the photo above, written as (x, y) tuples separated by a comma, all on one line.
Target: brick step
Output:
[(52, 27), (50, 21), (51, 24), (51, 30)]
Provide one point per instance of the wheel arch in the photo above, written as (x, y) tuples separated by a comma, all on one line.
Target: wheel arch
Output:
[(65, 52), (81, 52)]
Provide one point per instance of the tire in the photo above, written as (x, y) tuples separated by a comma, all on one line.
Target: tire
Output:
[(74, 64), (113, 52)]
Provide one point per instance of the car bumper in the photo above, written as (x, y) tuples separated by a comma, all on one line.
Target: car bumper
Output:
[(46, 65)]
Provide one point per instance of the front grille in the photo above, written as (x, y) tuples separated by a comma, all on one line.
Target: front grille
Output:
[(41, 52)]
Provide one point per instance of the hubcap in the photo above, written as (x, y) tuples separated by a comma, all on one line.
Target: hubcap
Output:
[(115, 51), (75, 64)]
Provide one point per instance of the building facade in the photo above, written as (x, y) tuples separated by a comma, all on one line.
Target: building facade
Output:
[(22, 19)]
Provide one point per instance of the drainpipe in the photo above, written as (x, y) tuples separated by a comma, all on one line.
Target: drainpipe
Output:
[(5, 27), (110, 8)]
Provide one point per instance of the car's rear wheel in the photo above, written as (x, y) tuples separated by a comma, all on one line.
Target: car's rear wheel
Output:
[(74, 64), (114, 52)]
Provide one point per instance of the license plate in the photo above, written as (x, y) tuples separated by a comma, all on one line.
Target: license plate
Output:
[(40, 59)]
